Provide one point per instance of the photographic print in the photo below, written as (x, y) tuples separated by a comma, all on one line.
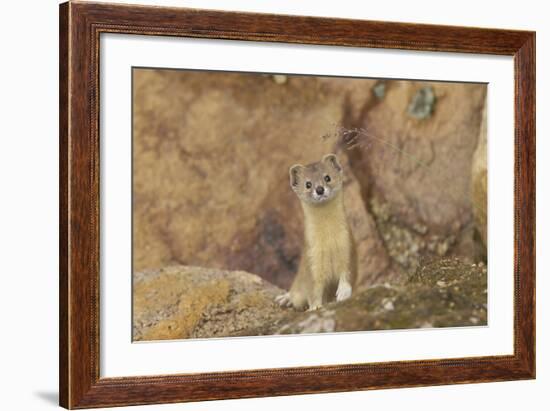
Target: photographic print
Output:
[(325, 185), (270, 204)]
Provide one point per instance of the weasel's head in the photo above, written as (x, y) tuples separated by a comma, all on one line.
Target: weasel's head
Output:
[(319, 182)]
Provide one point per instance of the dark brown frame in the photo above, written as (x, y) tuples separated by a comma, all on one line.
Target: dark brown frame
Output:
[(80, 27)]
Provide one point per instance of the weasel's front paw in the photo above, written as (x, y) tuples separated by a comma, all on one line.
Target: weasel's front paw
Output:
[(314, 308), (344, 291), (284, 300)]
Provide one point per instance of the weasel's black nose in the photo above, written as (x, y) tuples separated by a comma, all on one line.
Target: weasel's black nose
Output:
[(320, 190)]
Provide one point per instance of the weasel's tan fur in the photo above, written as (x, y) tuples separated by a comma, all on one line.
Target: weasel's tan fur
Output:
[(328, 267)]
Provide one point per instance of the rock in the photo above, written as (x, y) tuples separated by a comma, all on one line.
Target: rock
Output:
[(211, 160), (415, 176), (419, 303), (212, 151), (479, 182), (191, 302)]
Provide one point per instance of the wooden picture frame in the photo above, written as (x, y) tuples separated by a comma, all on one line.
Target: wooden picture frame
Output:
[(80, 27)]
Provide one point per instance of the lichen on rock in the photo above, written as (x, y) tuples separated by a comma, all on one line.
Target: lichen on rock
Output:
[(422, 104), (442, 293), (191, 302)]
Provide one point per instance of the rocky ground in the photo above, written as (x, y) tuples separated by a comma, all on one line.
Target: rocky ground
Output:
[(191, 302)]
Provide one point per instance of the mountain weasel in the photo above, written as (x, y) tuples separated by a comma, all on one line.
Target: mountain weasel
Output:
[(328, 266)]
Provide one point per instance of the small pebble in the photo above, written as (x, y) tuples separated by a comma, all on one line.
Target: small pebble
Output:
[(388, 305), (279, 78)]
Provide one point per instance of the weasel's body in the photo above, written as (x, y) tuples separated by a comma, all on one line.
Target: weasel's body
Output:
[(328, 266)]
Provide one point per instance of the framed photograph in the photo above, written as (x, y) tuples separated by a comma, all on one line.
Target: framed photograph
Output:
[(259, 205)]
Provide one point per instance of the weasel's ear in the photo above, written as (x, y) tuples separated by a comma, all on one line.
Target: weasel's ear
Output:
[(333, 161), (295, 172)]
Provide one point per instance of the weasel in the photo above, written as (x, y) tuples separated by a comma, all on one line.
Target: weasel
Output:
[(328, 266)]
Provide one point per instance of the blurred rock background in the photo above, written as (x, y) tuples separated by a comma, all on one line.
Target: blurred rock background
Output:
[(211, 153)]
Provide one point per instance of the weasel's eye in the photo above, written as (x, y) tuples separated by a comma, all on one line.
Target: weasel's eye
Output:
[(327, 178), (308, 185)]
